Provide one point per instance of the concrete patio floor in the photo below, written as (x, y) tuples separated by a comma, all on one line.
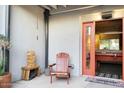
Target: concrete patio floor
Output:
[(44, 82)]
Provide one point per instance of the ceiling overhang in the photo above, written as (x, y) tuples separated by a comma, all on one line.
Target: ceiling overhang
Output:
[(57, 9)]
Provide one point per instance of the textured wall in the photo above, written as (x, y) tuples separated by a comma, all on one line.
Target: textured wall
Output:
[(2, 19), (24, 37)]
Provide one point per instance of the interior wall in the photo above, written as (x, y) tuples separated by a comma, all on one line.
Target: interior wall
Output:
[(108, 36), (26, 23), (65, 33), (108, 26)]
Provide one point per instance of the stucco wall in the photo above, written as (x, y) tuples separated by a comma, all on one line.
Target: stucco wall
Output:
[(65, 33), (2, 19), (23, 37), (64, 36)]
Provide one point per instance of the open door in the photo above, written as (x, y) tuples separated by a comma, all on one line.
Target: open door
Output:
[(88, 48)]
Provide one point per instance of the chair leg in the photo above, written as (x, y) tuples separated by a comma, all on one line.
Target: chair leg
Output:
[(69, 75), (67, 80), (51, 79)]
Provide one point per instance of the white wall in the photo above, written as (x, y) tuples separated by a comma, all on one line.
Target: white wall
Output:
[(65, 33), (64, 36), (23, 37), (2, 19)]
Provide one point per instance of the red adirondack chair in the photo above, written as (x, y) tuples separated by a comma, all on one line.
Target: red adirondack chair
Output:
[(62, 67)]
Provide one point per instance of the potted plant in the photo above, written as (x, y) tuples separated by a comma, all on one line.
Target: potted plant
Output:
[(5, 77)]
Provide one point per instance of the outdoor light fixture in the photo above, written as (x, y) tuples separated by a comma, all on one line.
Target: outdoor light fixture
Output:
[(106, 15)]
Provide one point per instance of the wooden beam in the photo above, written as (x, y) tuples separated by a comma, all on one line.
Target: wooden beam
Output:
[(53, 6), (46, 7), (65, 6), (75, 9)]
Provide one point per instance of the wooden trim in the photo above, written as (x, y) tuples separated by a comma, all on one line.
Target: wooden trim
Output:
[(123, 49), (89, 22), (93, 49), (91, 70), (83, 50)]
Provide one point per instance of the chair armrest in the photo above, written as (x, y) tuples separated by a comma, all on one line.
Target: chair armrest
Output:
[(50, 68), (51, 65), (70, 67)]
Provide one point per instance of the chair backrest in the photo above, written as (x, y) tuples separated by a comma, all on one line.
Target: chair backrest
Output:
[(62, 62)]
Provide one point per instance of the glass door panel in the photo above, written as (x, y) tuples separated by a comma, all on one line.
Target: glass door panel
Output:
[(88, 43)]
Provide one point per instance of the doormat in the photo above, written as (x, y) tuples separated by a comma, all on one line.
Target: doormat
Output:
[(108, 75), (107, 81)]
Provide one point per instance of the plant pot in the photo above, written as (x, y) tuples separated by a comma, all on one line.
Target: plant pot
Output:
[(5, 80)]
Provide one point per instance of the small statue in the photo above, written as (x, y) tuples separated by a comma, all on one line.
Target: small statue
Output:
[(31, 59)]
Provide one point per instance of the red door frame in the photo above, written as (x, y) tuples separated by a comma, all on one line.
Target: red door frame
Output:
[(91, 70), (93, 37), (123, 49)]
